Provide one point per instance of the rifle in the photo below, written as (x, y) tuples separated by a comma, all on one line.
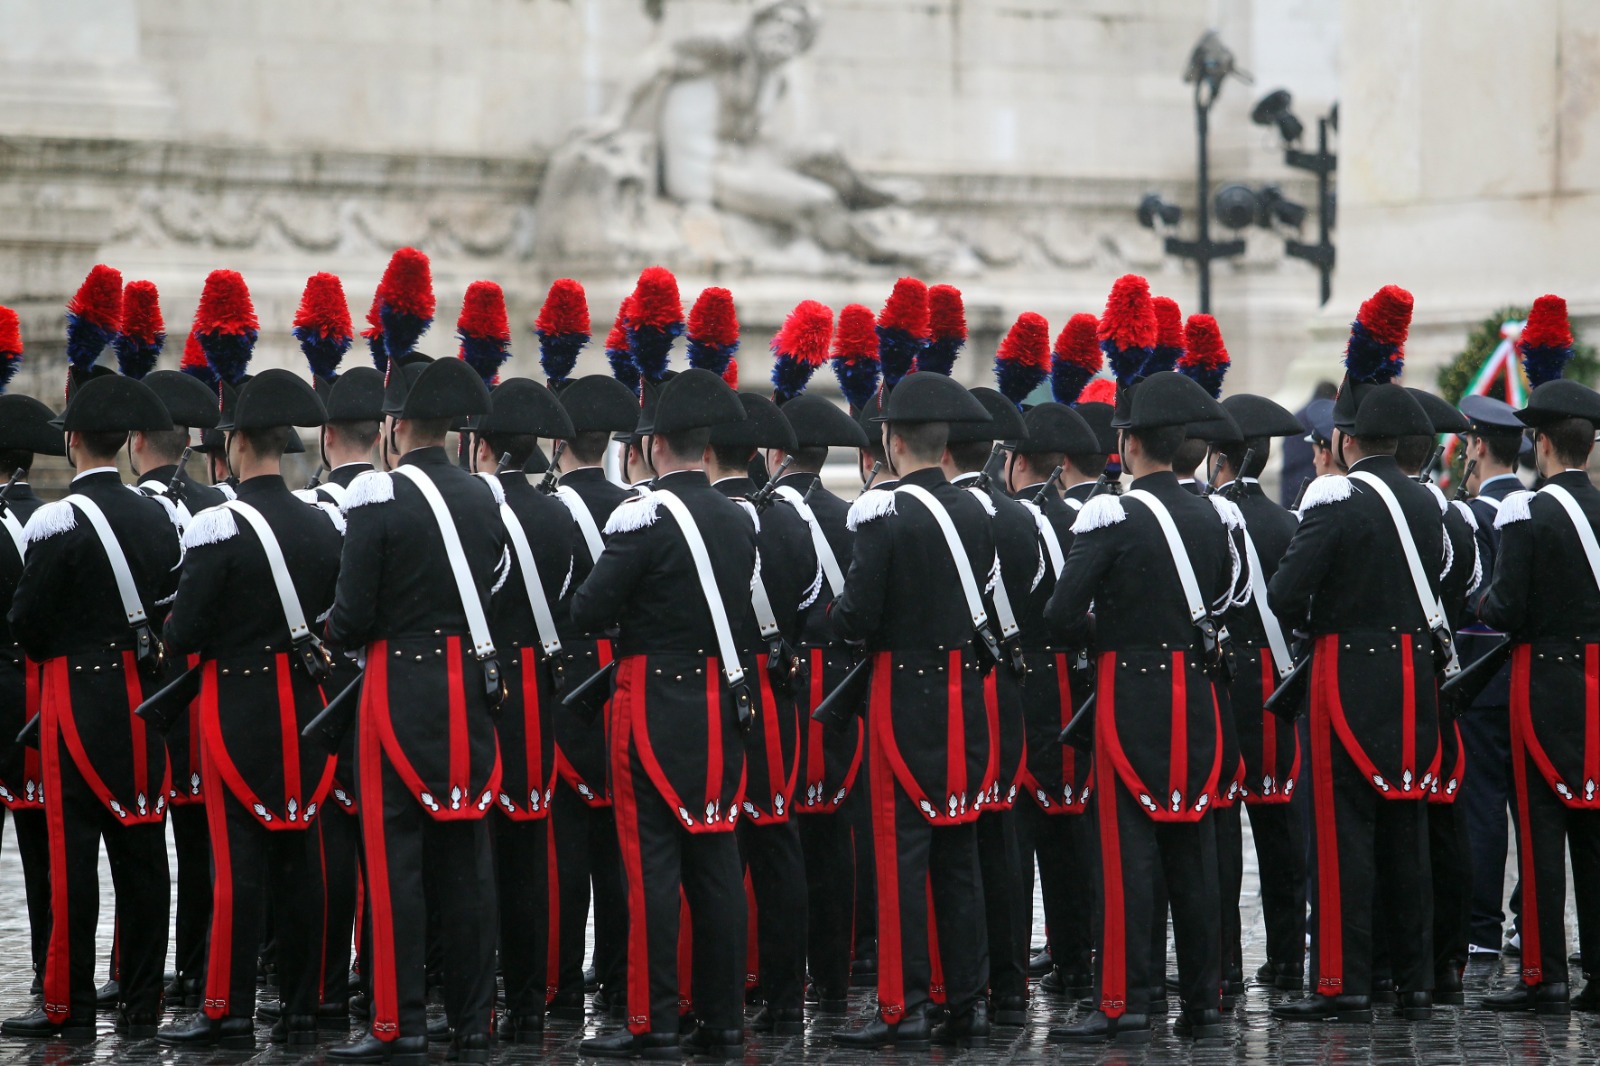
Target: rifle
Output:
[(548, 485), (316, 478), (333, 721), (5, 493), (816, 480), (591, 694), (1049, 482), (1466, 474), (761, 499), (848, 698), (1457, 694), (1236, 490), (872, 475), (1287, 698), (1212, 474), (986, 475), (503, 465), (1079, 732), (1305, 483), (175, 491), (1423, 475), (165, 709)]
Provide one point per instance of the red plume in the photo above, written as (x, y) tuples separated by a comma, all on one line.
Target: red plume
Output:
[(225, 305), (141, 312), (323, 310), (10, 333), (713, 320), (731, 374), (483, 312), (656, 298), (947, 316), (1386, 314), (1130, 319), (99, 298), (565, 310), (907, 309), (1547, 325), (407, 285), (800, 347), (1100, 390), (1078, 343), (1027, 342), (1169, 322)]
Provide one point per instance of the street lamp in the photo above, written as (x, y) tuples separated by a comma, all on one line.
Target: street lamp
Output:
[(1273, 110)]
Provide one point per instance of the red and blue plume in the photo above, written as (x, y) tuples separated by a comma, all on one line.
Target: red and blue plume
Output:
[(855, 355), (404, 303), (618, 353), (1376, 352), (1076, 359), (94, 317), (226, 324), (322, 325), (656, 321), (903, 330), (563, 329), (799, 348), (947, 330), (1023, 358), (1546, 341), (143, 332), (731, 374), (484, 330), (194, 362), (10, 346), (1100, 390), (713, 330), (1169, 336), (374, 337), (1205, 359), (1128, 328)]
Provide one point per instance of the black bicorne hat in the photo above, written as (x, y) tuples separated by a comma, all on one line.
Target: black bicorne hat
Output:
[(1099, 416), (272, 398), (694, 399), (354, 396), (1445, 419), (1489, 417), (112, 403), (930, 397), (819, 423), (523, 406), (186, 398), (1005, 421), (1256, 416), (1560, 399), (1164, 399), (1388, 411), (442, 388), (598, 402), (1054, 428), (764, 426), (25, 426)]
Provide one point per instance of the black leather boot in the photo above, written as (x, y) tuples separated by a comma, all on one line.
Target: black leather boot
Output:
[(1588, 1001), (197, 1030), (912, 1031), (625, 1044), (472, 1048), (1539, 999), (968, 1028), (1356, 1010), (1202, 1024), (108, 994), (566, 1007), (138, 1024), (401, 1051), (1447, 987), (1010, 1010), (38, 1026), (1041, 964), (715, 1043), (1414, 1006), (521, 1028), (1100, 1028), (779, 1021)]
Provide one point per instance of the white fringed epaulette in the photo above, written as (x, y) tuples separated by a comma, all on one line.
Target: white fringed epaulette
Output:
[(574, 503), (49, 520), (1329, 488), (1438, 494), (633, 514), (369, 487), (1098, 513), (1467, 513), (983, 499), (172, 509), (333, 514), (1517, 507), (869, 506), (750, 509), (307, 496), (495, 487), (211, 526), (226, 490), (1228, 511)]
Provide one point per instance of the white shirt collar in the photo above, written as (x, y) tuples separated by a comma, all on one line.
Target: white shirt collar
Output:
[(97, 470)]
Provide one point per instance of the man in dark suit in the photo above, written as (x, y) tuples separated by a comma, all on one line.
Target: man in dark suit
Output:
[(424, 550), (677, 760), (1545, 597), (93, 630), (912, 596), (1346, 581)]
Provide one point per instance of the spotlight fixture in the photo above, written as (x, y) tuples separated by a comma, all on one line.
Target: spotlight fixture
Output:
[(1273, 110), (1153, 208), (1235, 206), (1272, 207)]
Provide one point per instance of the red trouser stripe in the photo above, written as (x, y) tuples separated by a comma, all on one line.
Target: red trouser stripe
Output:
[(630, 686), (891, 961), (1269, 725), (956, 745), (1330, 913), (532, 730), (1591, 716), (380, 973), (136, 730), (58, 965), (1178, 771), (460, 755), (1532, 962), (713, 734), (219, 962), (1408, 711), (292, 785), (1114, 933)]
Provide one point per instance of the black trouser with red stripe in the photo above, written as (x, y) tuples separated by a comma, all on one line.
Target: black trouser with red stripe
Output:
[(78, 821), (1230, 880), (521, 868), (191, 843), (1368, 852), (830, 868), (1549, 829), (1452, 884), (1281, 868), (407, 848), (33, 848), (341, 851), (1134, 849), (260, 871), (777, 868), (1005, 910), (585, 854), (1069, 860), (919, 864), (661, 857), (857, 813)]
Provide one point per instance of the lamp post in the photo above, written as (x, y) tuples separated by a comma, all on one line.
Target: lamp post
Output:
[(1274, 110)]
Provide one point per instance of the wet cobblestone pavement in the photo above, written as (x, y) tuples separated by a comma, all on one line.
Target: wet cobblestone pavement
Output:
[(1455, 1035)]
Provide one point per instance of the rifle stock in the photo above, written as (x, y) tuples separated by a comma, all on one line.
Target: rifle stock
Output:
[(333, 721), (848, 698), (1458, 693), (167, 706), (1080, 730)]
